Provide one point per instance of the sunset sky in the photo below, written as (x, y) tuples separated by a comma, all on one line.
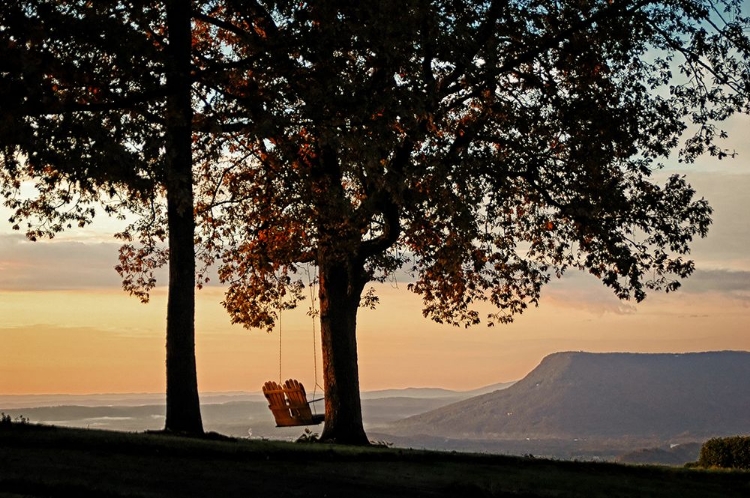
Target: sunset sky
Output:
[(66, 327)]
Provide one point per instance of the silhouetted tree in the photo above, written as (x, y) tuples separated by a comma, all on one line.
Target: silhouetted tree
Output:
[(482, 146), (98, 109)]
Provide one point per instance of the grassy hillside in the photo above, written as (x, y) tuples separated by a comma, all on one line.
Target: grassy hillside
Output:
[(45, 461)]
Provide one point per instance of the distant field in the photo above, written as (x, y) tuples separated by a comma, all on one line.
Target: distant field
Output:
[(47, 461)]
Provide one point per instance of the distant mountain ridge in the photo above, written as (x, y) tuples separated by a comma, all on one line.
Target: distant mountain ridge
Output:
[(13, 401), (433, 392), (604, 395)]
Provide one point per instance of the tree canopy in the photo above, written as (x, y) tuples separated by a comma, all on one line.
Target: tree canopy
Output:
[(462, 132)]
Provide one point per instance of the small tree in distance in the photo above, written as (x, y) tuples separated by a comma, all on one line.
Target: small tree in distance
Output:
[(484, 147)]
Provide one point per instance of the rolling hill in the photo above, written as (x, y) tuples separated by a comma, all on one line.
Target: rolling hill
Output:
[(575, 395)]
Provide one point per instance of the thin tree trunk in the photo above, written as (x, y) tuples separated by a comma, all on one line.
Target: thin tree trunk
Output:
[(339, 301), (183, 405)]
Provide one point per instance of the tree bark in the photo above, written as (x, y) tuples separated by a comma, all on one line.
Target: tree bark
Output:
[(339, 292), (183, 405)]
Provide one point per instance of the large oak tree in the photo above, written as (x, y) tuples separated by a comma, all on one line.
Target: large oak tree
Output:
[(482, 146)]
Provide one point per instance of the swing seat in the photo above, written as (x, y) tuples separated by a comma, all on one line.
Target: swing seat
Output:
[(289, 404)]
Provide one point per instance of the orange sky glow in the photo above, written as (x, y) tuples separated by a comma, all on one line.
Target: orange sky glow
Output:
[(66, 327), (102, 341)]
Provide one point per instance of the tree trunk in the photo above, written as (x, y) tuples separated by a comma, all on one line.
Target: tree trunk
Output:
[(183, 405), (340, 291)]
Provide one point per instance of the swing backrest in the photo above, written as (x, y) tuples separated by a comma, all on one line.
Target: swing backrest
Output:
[(298, 405), (277, 403)]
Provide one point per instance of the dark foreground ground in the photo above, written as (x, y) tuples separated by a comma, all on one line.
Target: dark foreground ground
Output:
[(39, 461)]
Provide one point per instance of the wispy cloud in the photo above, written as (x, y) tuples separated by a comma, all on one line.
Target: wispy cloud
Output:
[(63, 265), (53, 265), (734, 282), (578, 290), (584, 292)]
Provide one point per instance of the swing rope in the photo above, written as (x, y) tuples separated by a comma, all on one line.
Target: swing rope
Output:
[(313, 316), (280, 343)]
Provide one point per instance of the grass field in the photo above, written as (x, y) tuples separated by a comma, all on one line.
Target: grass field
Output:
[(47, 461)]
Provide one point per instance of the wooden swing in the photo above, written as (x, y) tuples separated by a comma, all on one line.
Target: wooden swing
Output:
[(288, 402)]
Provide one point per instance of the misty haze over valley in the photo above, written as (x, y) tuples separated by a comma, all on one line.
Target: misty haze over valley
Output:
[(639, 408)]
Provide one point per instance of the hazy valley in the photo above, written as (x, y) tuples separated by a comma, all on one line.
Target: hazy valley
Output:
[(639, 408), (233, 414)]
